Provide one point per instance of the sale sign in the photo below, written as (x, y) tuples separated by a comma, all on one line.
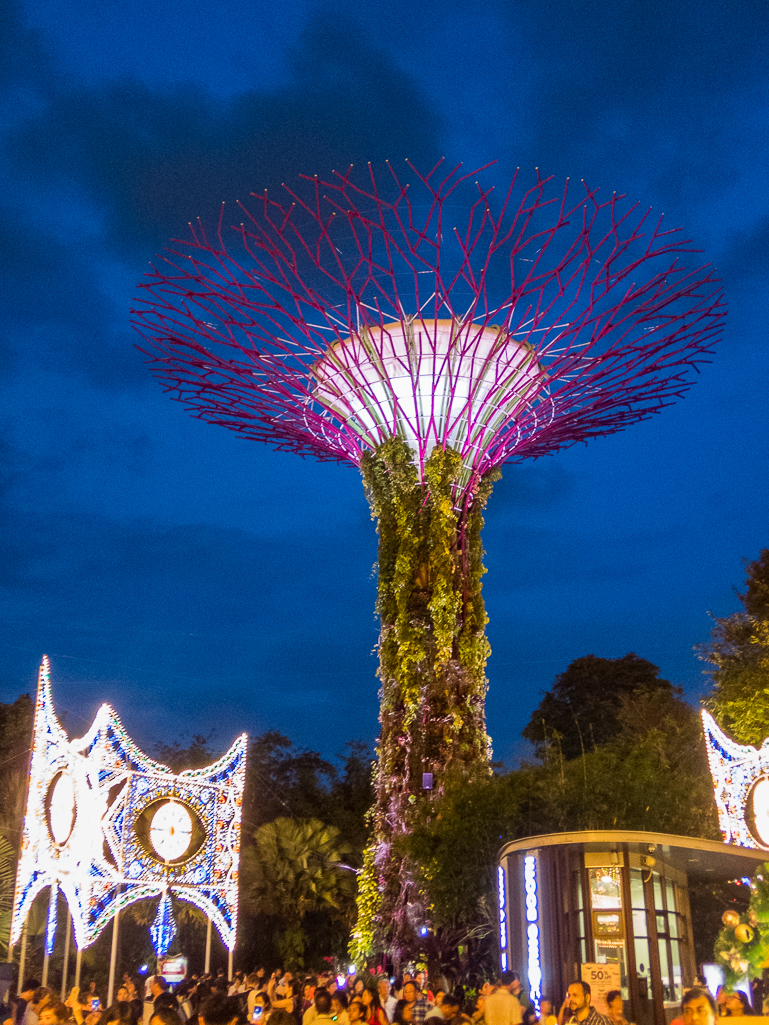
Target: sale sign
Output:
[(602, 978)]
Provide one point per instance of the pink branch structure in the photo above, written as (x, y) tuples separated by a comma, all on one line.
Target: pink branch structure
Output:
[(351, 314), (427, 332)]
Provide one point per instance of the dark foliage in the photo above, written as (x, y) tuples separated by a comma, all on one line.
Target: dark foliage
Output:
[(582, 709)]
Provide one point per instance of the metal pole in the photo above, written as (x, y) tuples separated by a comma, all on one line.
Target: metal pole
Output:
[(78, 962), (112, 960), (208, 948), (65, 967), (22, 957), (229, 966)]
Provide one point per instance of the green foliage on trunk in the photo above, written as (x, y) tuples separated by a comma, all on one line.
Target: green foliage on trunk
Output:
[(432, 659), (739, 651)]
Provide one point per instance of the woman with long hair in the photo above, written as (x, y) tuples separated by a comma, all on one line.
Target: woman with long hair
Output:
[(374, 1013), (402, 1015)]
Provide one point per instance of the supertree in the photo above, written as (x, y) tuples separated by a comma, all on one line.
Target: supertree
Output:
[(355, 322)]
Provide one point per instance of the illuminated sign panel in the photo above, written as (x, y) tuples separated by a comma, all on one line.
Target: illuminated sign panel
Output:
[(741, 783), (108, 826), (534, 961)]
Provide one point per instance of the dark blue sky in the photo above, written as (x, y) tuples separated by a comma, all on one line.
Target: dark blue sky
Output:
[(205, 584)]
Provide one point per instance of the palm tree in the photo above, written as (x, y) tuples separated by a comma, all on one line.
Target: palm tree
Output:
[(297, 867), (7, 879)]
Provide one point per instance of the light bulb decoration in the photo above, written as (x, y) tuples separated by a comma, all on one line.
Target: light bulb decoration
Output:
[(741, 784), (163, 929), (108, 826)]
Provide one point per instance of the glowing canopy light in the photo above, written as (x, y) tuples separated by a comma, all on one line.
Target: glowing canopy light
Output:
[(433, 382), (741, 783), (109, 826)]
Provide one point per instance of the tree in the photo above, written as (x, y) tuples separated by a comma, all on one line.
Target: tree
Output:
[(582, 709), (651, 775), (196, 755), (297, 867), (739, 650)]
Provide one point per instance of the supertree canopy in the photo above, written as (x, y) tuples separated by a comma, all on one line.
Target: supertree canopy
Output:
[(427, 332)]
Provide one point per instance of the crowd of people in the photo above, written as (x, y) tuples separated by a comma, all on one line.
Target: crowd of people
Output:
[(281, 999)]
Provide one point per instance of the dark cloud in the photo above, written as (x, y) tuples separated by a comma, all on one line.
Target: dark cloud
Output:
[(153, 160)]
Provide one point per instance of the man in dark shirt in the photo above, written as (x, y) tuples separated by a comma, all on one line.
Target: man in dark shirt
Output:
[(581, 1009)]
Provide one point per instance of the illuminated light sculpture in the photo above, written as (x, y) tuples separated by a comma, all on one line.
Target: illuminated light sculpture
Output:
[(741, 784), (357, 323), (163, 929), (108, 826)]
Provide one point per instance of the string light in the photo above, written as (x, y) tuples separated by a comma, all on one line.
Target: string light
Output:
[(740, 780)]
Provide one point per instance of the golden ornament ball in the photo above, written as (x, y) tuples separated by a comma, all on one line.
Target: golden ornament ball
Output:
[(730, 919), (744, 933)]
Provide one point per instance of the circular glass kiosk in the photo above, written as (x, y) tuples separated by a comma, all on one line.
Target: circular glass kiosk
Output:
[(610, 898)]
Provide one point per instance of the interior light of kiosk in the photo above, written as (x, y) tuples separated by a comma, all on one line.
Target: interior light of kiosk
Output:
[(534, 966), (502, 889)]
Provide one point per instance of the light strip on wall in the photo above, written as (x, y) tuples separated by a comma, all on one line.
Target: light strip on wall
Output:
[(534, 965), (502, 890)]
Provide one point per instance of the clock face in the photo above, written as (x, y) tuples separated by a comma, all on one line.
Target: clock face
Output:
[(61, 808), (171, 831)]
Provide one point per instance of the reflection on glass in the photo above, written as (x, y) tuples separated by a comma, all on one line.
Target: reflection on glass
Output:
[(658, 901), (608, 922), (636, 889), (639, 923), (670, 894), (605, 892)]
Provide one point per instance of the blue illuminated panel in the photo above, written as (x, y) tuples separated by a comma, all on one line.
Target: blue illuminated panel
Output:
[(534, 964), (502, 888)]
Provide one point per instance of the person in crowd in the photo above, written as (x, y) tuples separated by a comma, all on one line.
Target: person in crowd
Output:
[(383, 989), (358, 986), (256, 994), (167, 999), (322, 1006), (396, 992), (502, 1007), (54, 1013), (339, 1007), (356, 1012), (23, 1001), (450, 1009), (479, 1009), (419, 1006), (374, 1014), (580, 1008), (308, 993), (721, 1001), (403, 1014), (699, 1008), (738, 1005), (616, 1007), (218, 1010), (165, 1016), (546, 1015), (311, 1013)]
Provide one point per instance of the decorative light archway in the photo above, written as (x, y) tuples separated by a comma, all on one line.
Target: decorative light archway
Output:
[(109, 826)]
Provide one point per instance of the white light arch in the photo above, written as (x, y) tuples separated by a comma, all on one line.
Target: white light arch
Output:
[(103, 864)]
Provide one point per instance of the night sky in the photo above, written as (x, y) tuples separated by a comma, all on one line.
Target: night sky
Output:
[(204, 584)]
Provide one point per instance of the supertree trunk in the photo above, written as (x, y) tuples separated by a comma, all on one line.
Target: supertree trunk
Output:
[(432, 658)]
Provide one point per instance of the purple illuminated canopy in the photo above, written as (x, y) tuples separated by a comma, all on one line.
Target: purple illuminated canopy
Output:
[(356, 311)]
